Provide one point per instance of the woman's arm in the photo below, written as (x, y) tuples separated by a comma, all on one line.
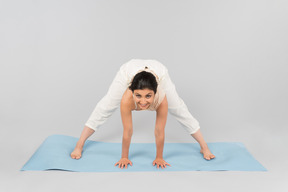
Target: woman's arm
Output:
[(126, 116), (161, 119)]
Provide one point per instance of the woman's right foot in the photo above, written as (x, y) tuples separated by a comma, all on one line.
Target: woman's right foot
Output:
[(76, 154)]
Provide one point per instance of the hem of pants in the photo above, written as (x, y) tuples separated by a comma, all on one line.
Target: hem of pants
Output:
[(91, 127), (194, 131)]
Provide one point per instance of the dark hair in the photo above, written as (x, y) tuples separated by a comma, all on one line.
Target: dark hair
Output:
[(144, 80)]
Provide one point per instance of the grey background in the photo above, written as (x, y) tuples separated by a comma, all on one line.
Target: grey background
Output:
[(228, 60)]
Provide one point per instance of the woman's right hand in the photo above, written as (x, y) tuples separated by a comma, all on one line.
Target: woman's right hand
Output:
[(123, 162)]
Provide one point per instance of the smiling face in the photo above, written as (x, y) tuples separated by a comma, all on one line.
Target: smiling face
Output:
[(143, 98)]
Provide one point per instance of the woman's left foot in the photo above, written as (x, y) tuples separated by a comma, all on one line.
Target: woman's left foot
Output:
[(207, 154)]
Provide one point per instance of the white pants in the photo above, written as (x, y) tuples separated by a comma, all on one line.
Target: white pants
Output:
[(111, 101)]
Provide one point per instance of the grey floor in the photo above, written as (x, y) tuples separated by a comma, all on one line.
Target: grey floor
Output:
[(268, 149)]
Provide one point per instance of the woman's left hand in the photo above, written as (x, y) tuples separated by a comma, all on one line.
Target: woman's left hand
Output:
[(160, 162)]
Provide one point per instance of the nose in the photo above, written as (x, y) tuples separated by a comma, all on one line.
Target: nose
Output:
[(143, 101)]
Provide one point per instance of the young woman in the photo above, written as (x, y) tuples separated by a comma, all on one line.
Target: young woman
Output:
[(142, 85)]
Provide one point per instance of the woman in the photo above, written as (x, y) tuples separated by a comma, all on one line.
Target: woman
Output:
[(142, 85)]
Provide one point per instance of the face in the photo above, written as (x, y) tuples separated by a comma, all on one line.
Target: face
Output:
[(143, 98)]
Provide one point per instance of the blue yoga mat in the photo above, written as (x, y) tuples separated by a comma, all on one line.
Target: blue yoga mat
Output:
[(54, 154)]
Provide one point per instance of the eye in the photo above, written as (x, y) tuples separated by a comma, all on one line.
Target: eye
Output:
[(148, 96), (138, 96)]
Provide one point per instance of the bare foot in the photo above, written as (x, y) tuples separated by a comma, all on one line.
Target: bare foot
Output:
[(207, 154), (76, 154)]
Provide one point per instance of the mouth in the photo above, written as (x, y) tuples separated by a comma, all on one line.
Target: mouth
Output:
[(144, 105)]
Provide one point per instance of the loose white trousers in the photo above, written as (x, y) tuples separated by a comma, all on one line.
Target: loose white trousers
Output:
[(111, 101)]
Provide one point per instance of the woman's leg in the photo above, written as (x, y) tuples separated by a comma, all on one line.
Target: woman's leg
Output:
[(103, 110), (110, 102), (177, 107), (86, 133), (204, 147), (179, 110)]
